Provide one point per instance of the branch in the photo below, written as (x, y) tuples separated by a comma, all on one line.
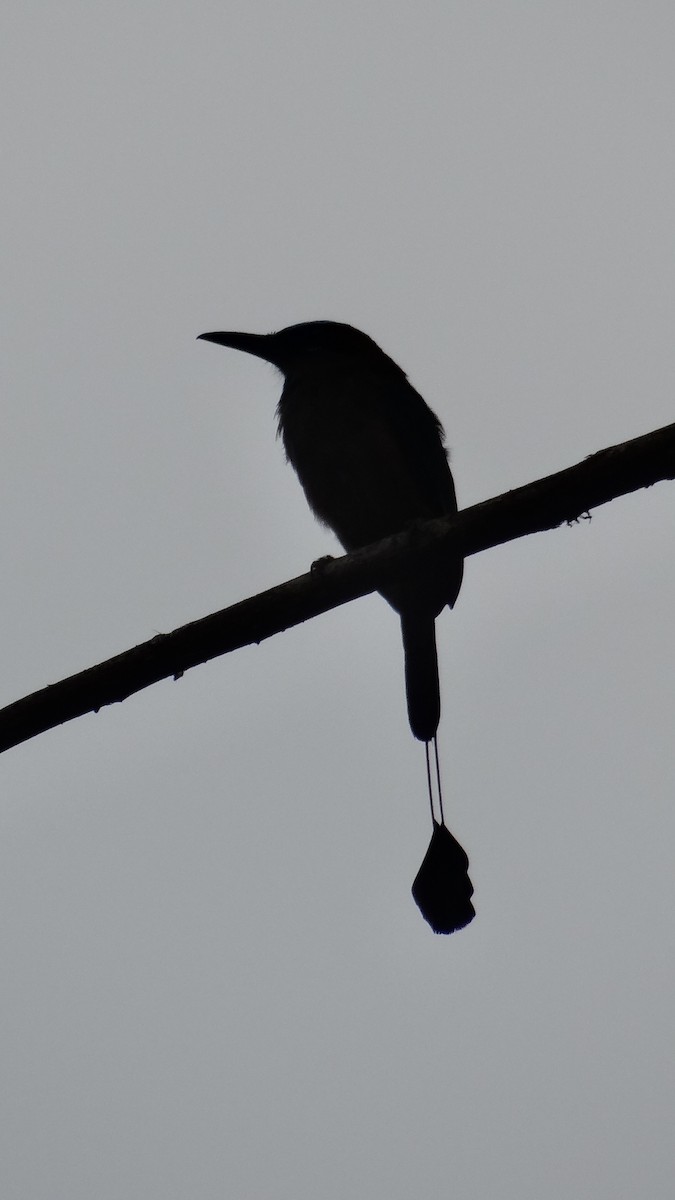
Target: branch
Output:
[(562, 497)]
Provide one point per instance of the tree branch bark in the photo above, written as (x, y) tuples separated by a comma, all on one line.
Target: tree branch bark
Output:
[(563, 497)]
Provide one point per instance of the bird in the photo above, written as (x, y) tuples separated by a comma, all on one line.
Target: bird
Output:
[(370, 456)]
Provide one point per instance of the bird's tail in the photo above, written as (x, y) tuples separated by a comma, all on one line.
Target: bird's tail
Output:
[(421, 674), (442, 888)]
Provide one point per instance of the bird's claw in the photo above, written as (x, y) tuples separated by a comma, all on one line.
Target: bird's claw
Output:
[(319, 565)]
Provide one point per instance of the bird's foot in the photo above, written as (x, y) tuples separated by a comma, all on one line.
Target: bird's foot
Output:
[(319, 565)]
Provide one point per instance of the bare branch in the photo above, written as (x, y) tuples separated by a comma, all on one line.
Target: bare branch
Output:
[(545, 504)]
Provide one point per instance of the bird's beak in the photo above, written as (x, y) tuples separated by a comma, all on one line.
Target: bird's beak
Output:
[(259, 344)]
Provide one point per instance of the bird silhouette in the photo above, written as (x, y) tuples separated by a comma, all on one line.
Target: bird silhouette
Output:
[(370, 456)]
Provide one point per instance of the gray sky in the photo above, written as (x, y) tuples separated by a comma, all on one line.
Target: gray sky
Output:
[(215, 981)]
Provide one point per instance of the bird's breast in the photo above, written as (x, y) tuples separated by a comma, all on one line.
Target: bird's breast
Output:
[(357, 471)]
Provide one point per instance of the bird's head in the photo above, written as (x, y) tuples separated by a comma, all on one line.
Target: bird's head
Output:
[(326, 343)]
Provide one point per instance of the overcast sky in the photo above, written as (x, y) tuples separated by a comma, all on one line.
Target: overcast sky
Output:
[(215, 982)]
